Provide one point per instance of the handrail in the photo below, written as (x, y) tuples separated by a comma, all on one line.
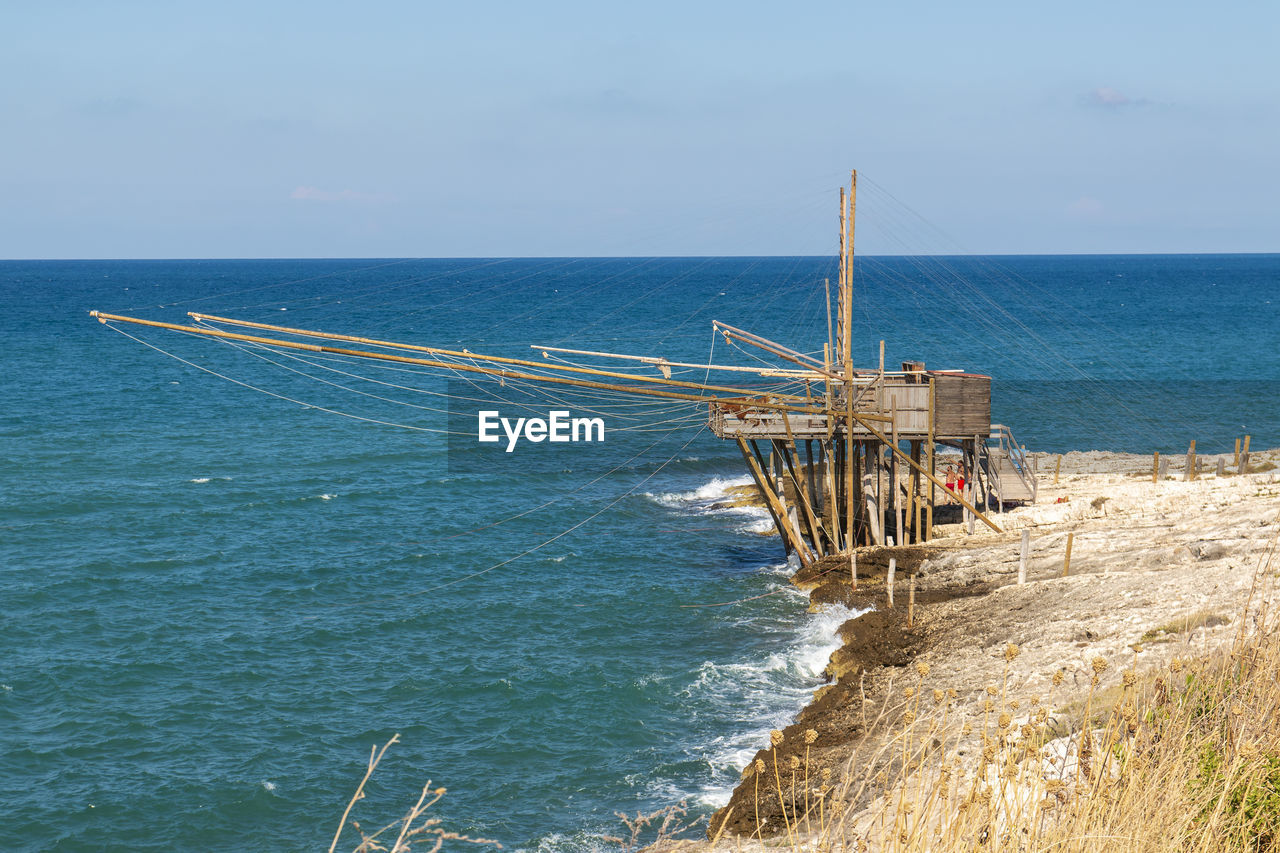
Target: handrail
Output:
[(1011, 450)]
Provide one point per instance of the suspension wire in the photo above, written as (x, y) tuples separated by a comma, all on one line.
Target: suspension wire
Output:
[(287, 399)]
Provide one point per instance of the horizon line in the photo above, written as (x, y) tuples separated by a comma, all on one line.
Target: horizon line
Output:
[(633, 257)]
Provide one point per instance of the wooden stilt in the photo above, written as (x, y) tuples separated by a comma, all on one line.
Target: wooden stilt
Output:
[(848, 511), (805, 512), (933, 467), (860, 531), (781, 517), (894, 491), (917, 513), (830, 469)]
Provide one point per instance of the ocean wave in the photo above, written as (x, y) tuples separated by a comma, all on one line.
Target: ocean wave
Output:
[(761, 522), (703, 497), (768, 690), (577, 842)]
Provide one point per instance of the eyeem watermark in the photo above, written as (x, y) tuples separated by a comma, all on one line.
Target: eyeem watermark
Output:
[(558, 426)]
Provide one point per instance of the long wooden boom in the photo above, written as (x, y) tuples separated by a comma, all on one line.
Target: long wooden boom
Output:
[(741, 399), (778, 372), (519, 362)]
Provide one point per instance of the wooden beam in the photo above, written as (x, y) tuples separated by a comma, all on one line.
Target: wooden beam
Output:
[(463, 368), (779, 508), (766, 492), (471, 356), (662, 362)]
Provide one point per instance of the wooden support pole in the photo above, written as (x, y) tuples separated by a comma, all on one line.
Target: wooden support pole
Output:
[(911, 602), (1155, 467), (1190, 474), (802, 490), (1164, 467), (830, 455), (846, 316), (860, 524), (933, 467), (875, 519), (888, 582), (781, 518), (1243, 467), (916, 509), (973, 499), (1057, 467), (1023, 553), (831, 336), (816, 533), (766, 491), (1066, 560), (894, 493), (848, 466), (1236, 462), (815, 491)]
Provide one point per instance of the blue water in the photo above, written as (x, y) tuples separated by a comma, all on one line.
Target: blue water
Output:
[(215, 600)]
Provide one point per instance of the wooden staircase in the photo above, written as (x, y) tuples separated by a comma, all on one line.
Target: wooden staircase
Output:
[(1007, 468)]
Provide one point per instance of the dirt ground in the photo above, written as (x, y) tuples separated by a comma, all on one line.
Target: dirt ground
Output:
[(1157, 570)]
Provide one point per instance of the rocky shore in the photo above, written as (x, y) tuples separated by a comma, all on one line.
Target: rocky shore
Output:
[(1157, 570)]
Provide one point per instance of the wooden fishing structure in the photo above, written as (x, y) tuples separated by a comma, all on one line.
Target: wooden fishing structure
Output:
[(842, 457)]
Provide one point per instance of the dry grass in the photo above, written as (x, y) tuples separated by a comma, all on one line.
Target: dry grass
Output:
[(413, 828), (1185, 625)]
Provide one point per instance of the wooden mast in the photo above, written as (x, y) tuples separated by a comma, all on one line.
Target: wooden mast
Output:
[(846, 352)]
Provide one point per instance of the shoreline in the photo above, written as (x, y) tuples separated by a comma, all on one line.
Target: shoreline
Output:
[(1157, 570)]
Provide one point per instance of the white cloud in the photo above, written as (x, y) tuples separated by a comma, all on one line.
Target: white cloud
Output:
[(1109, 98)]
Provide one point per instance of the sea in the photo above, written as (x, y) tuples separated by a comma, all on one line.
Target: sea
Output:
[(227, 573)]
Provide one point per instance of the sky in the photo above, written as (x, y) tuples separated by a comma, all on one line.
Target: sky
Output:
[(391, 128)]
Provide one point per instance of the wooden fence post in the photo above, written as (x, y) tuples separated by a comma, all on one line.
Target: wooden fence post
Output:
[(1066, 561), (1155, 468), (911, 602), (1190, 473), (1022, 556)]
